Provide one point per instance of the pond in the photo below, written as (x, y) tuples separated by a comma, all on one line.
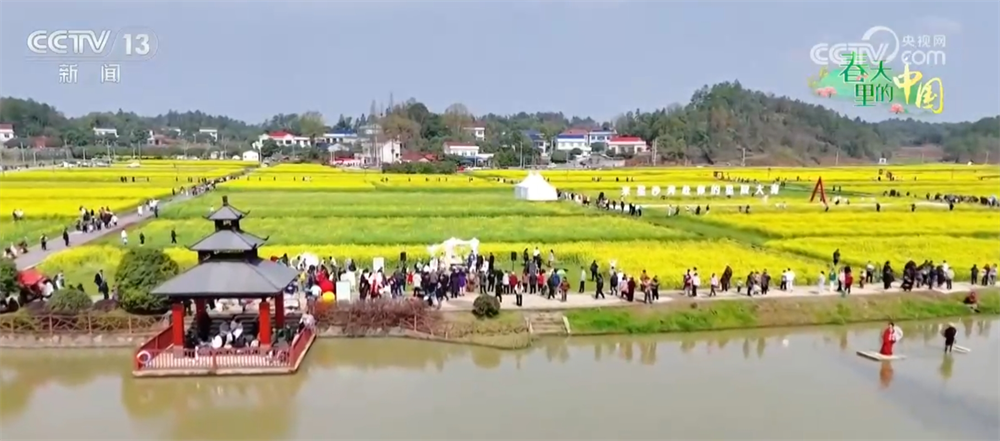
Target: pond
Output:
[(785, 383)]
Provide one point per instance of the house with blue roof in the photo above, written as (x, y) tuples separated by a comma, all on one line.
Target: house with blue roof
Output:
[(572, 139), (600, 135), (537, 139)]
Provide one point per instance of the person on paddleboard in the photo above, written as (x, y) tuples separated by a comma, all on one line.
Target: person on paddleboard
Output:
[(889, 338), (949, 334)]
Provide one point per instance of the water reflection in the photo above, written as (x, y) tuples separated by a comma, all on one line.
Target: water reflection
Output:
[(24, 372), (259, 408), (192, 408), (947, 366), (885, 374)]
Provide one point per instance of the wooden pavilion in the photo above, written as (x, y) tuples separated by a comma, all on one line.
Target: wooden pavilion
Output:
[(229, 267)]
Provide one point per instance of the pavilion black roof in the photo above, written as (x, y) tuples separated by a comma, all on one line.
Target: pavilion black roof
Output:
[(222, 278), (226, 213), (228, 240)]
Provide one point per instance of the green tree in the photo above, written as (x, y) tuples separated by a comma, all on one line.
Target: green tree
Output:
[(269, 148), (598, 147), (312, 126), (140, 271), (8, 278)]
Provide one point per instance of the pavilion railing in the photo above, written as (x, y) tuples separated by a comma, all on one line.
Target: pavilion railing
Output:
[(83, 323), (159, 354)]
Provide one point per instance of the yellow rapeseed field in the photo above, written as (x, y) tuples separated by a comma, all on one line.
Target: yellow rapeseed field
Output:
[(866, 223), (960, 252), (315, 177), (668, 261), (59, 192)]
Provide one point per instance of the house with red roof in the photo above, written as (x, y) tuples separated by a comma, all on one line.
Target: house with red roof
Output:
[(411, 156), (627, 145), (6, 133)]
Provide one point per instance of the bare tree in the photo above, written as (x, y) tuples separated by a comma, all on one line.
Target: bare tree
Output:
[(456, 118)]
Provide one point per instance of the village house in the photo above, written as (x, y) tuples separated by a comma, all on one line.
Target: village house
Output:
[(410, 156), (251, 156), (537, 139), (386, 152), (463, 149), (338, 137), (599, 135), (572, 139), (627, 145), (6, 133), (212, 133), (283, 139), (101, 132), (478, 131)]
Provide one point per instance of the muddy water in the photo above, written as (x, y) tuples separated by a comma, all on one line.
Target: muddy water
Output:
[(737, 385)]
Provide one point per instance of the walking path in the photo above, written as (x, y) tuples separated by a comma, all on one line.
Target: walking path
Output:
[(35, 255), (576, 301)]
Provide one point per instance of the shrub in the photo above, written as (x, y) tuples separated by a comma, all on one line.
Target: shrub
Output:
[(142, 302), (139, 272), (486, 306), (69, 300), (8, 277)]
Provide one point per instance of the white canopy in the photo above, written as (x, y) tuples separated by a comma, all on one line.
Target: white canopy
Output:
[(535, 188), (447, 252)]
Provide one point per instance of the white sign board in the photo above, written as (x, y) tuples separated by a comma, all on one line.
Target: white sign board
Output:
[(344, 293), (378, 263)]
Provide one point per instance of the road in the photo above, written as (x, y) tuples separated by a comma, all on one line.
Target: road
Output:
[(35, 255)]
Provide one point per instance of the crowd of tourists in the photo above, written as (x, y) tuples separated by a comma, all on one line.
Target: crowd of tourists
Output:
[(438, 281)]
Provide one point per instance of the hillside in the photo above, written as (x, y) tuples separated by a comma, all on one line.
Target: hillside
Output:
[(720, 124)]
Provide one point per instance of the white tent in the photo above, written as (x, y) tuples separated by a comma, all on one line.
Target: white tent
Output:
[(535, 188)]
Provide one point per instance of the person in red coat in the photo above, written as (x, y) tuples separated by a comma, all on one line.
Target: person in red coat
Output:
[(888, 340)]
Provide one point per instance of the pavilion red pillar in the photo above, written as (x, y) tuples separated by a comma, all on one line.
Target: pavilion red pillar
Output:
[(279, 311), (177, 324), (264, 311), (199, 307)]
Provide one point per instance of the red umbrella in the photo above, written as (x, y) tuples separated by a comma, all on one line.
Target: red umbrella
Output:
[(30, 277)]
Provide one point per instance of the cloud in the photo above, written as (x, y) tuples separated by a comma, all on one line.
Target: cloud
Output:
[(940, 25)]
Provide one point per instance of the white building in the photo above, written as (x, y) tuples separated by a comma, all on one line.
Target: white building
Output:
[(595, 136), (478, 130), (461, 149), (251, 156), (283, 139), (386, 152), (212, 133), (370, 129), (6, 133), (627, 145), (566, 142), (98, 131), (347, 138)]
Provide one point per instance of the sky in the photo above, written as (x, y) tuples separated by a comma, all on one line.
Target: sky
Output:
[(253, 59)]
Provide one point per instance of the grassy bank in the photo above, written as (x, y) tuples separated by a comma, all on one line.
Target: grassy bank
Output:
[(689, 316)]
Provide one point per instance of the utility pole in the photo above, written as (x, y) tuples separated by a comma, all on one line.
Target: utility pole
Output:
[(837, 158), (655, 152), (743, 162)]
